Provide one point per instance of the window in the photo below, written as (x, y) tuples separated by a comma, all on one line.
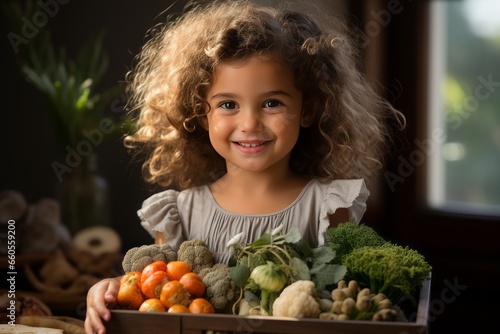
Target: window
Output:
[(464, 98)]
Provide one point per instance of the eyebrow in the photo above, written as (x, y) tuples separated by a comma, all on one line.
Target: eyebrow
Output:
[(224, 95)]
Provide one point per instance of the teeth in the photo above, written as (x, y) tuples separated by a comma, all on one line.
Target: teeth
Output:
[(250, 145)]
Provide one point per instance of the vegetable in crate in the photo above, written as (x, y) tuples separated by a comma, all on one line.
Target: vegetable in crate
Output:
[(196, 253), (270, 280), (220, 289), (298, 300), (346, 237), (129, 294), (153, 277), (390, 269), (352, 303), (137, 258), (291, 260)]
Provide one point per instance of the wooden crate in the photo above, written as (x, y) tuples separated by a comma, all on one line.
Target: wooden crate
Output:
[(131, 322)]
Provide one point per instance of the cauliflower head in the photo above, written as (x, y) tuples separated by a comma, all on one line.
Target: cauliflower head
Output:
[(298, 300)]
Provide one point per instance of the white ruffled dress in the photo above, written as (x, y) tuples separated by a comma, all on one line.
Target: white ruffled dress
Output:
[(194, 214)]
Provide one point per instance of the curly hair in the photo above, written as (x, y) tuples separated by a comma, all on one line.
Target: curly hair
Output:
[(347, 118)]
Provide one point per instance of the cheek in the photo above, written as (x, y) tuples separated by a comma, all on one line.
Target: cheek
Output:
[(285, 122), (218, 127)]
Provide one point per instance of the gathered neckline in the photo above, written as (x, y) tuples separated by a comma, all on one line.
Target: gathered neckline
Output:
[(288, 207)]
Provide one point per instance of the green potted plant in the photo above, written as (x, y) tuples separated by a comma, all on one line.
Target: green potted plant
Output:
[(84, 114)]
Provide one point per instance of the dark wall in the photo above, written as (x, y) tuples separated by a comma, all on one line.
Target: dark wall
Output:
[(31, 144)]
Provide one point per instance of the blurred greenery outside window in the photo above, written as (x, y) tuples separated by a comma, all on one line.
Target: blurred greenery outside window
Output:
[(463, 138)]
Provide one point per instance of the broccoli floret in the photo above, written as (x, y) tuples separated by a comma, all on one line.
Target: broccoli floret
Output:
[(127, 259), (390, 269), (349, 236), (141, 263), (220, 289), (196, 253), (137, 258)]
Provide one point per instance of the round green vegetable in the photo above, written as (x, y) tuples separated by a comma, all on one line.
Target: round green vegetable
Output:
[(271, 280), (269, 277)]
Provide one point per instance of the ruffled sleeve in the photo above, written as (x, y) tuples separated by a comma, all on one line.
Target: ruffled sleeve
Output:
[(350, 194), (159, 213)]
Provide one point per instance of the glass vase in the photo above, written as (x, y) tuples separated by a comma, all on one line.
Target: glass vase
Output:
[(83, 196)]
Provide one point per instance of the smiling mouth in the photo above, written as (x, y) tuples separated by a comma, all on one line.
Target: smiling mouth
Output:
[(251, 144)]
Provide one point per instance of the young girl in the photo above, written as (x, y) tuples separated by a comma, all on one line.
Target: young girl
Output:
[(262, 118)]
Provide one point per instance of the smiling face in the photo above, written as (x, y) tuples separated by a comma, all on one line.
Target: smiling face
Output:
[(255, 112)]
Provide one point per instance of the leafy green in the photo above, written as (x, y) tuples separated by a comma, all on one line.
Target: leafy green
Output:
[(303, 272), (375, 263), (322, 255), (324, 274), (390, 269), (239, 275), (349, 236), (290, 254)]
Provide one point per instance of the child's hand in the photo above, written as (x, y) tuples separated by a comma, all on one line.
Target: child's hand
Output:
[(100, 296)]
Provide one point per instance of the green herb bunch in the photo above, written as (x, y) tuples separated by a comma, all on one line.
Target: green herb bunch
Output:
[(69, 85), (265, 267)]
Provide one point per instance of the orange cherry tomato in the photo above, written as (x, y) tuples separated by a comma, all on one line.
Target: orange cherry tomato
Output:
[(129, 293), (178, 308), (152, 268), (201, 305), (151, 287), (193, 284), (152, 305), (175, 269), (173, 292)]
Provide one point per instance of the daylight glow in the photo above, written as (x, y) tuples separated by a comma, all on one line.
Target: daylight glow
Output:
[(483, 16)]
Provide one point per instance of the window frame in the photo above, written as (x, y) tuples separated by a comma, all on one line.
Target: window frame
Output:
[(409, 201), (463, 248), (436, 70)]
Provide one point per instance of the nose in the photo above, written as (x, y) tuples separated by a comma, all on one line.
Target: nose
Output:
[(250, 120)]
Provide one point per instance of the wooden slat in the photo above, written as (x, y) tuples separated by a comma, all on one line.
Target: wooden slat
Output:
[(198, 324), (423, 304), (131, 322)]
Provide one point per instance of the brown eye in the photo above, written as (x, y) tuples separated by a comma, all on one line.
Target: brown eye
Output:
[(228, 105), (272, 104)]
